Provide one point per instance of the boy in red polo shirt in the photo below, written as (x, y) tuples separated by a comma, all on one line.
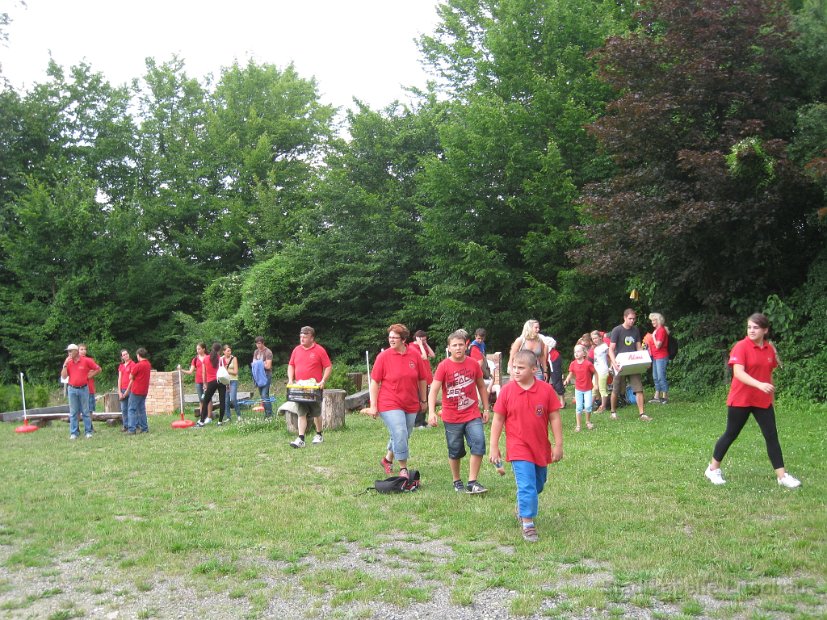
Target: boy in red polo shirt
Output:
[(137, 391), (309, 360), (460, 377), (526, 407)]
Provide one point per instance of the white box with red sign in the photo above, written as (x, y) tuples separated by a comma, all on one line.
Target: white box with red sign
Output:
[(633, 363)]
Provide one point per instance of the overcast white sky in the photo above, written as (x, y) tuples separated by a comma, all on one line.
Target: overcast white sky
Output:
[(361, 48)]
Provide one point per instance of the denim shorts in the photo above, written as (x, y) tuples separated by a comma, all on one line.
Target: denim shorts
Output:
[(457, 434)]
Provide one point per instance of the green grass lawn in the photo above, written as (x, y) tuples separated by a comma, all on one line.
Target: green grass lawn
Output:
[(627, 524)]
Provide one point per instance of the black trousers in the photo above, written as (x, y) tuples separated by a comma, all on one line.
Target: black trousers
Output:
[(736, 419), (209, 390)]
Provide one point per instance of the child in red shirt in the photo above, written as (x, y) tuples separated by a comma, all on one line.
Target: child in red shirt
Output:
[(583, 372), (525, 408), (461, 378)]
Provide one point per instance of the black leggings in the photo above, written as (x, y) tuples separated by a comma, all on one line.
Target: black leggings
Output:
[(209, 390), (736, 419)]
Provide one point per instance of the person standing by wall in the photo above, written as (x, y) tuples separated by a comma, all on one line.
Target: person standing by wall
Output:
[(124, 370), (137, 390), (78, 370)]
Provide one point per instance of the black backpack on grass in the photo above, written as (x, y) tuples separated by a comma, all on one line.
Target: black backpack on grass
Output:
[(398, 484)]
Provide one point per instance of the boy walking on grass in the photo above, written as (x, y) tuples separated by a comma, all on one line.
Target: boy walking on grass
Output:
[(460, 378), (525, 408)]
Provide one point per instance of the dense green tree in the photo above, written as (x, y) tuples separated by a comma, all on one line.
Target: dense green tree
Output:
[(705, 211)]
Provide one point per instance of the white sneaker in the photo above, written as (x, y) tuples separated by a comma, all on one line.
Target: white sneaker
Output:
[(715, 476), (207, 421), (318, 438), (297, 443), (788, 481), (89, 436)]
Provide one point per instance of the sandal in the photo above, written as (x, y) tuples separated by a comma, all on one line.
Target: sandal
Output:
[(644, 418), (589, 426), (576, 429), (614, 415)]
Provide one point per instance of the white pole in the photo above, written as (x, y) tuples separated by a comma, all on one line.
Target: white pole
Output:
[(181, 390), (367, 362), (23, 393)]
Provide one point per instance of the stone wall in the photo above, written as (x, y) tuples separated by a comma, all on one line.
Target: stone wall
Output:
[(164, 394)]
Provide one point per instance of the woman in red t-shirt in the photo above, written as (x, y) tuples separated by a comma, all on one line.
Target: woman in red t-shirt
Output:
[(753, 360), (659, 351), (397, 393)]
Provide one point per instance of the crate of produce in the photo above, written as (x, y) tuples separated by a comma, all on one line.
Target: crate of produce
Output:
[(304, 393)]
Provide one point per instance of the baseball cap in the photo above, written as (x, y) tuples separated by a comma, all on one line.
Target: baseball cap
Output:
[(72, 347)]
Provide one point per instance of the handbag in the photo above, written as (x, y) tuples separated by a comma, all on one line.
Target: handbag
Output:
[(222, 375)]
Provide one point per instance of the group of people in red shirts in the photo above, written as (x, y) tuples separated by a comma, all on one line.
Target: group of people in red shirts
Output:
[(79, 371)]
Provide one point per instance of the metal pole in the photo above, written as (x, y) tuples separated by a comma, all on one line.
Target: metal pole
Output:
[(23, 393), (181, 390)]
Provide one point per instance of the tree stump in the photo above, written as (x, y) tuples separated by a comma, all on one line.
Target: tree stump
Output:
[(333, 409), (111, 402)]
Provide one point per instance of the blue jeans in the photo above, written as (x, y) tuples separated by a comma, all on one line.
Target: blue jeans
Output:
[(584, 401), (530, 479), (659, 375), (264, 393), (137, 414), (124, 402), (232, 400), (400, 425), (456, 434), (79, 404)]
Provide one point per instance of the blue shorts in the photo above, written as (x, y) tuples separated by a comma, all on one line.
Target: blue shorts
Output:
[(457, 434)]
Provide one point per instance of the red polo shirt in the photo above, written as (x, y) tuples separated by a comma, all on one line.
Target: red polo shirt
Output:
[(527, 414), (459, 389), (758, 362), (140, 378), (78, 371), (123, 374), (399, 375), (309, 363)]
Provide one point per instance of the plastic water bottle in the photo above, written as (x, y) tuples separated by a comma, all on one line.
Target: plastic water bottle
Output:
[(498, 465)]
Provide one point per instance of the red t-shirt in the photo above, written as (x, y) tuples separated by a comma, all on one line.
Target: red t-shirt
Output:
[(212, 371), (527, 414), (199, 368), (459, 389), (140, 377), (758, 363), (662, 335), (309, 363), (583, 374), (91, 382), (399, 375), (79, 371), (429, 375), (123, 374)]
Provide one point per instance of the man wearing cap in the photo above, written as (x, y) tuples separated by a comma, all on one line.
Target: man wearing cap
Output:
[(309, 360), (78, 370)]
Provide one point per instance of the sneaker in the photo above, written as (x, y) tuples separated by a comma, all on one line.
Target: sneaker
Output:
[(387, 466), (458, 486), (317, 438), (654, 400), (88, 435), (530, 534), (644, 418), (207, 421), (715, 476), (475, 488), (788, 481), (664, 401), (219, 423), (199, 424), (297, 443), (614, 415), (73, 436)]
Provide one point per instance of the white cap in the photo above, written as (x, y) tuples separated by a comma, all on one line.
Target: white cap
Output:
[(72, 347)]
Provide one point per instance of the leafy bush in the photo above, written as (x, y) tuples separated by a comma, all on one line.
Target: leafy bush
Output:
[(705, 340), (11, 399), (339, 380)]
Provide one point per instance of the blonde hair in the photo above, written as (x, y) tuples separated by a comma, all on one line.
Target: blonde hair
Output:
[(528, 329), (657, 316), (579, 347)]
